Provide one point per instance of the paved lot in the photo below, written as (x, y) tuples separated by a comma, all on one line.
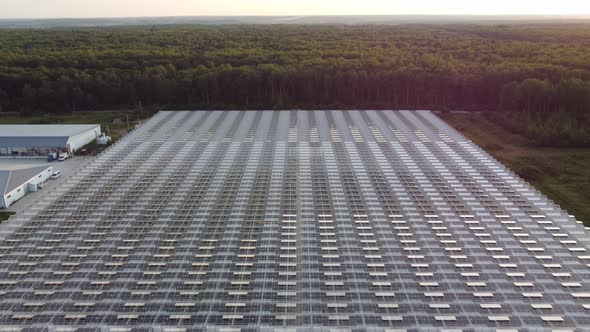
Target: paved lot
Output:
[(67, 168)]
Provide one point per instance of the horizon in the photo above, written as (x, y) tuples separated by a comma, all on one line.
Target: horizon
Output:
[(296, 16), (62, 9), (377, 19)]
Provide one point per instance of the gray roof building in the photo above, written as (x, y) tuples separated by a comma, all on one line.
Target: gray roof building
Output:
[(15, 182), (264, 220), (42, 136), (11, 179)]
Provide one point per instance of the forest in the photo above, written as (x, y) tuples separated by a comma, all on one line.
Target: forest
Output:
[(540, 68), (526, 87)]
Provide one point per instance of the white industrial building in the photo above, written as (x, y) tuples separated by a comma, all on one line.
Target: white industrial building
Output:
[(31, 140), (16, 183)]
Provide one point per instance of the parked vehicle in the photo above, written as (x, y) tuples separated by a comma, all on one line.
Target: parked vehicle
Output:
[(51, 156), (103, 140), (63, 156), (55, 175)]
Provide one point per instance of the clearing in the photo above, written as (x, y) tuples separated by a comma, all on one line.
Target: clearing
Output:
[(561, 174)]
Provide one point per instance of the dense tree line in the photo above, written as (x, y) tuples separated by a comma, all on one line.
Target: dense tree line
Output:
[(547, 129), (538, 68)]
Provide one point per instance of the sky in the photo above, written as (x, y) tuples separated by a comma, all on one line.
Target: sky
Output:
[(132, 8)]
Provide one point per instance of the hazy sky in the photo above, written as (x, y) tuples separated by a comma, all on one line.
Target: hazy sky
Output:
[(108, 8)]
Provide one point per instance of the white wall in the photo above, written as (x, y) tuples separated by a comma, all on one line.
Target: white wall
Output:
[(15, 195), (78, 141), (20, 191)]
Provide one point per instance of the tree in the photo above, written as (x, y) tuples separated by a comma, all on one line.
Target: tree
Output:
[(574, 95), (29, 95), (468, 67), (4, 100)]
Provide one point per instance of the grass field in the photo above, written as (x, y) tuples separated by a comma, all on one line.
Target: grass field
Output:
[(562, 174), (4, 215)]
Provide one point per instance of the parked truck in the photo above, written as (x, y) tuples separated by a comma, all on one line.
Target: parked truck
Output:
[(51, 156)]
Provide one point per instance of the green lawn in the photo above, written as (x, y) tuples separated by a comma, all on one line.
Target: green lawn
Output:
[(562, 174), (4, 215)]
